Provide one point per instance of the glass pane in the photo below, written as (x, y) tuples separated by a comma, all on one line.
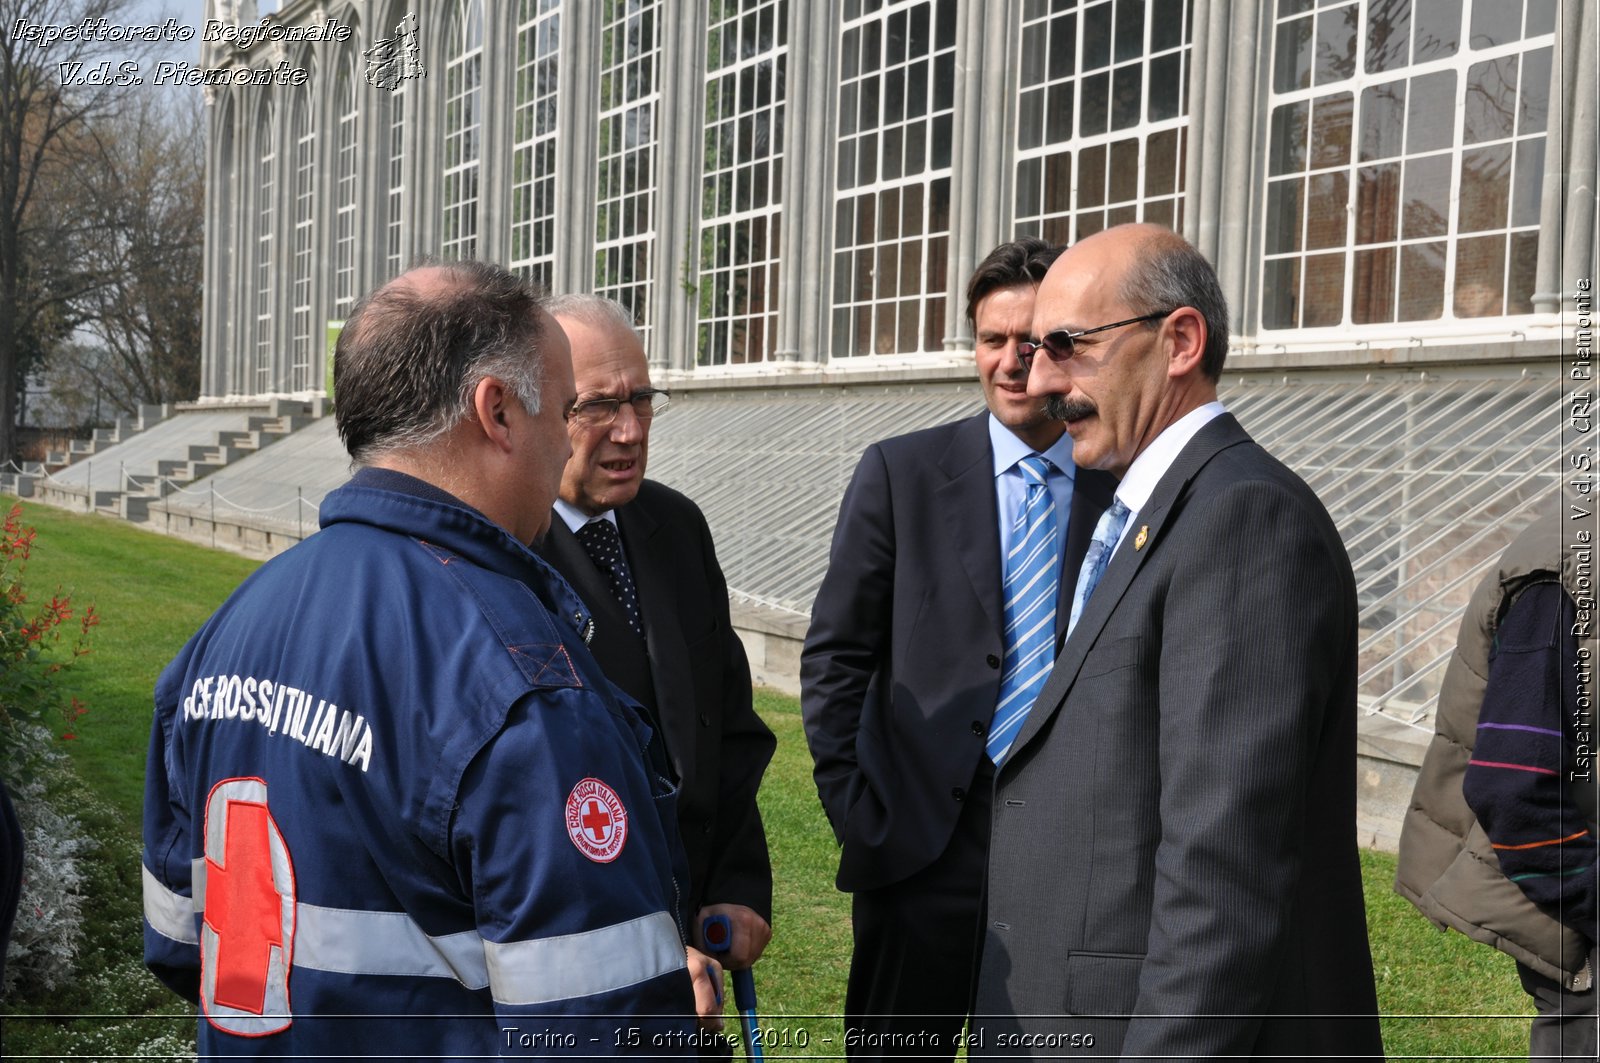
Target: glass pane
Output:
[(1063, 47), (1437, 29), (1335, 56), (1030, 177), (1421, 282), (1161, 164), (1529, 179), (1378, 203), (1383, 109), (1130, 29), (1030, 119), (1524, 267), (1092, 176), (1535, 95), (1330, 130), (1166, 24), (1485, 188), (1541, 17), (1372, 297), (1323, 304), (1495, 22), (1124, 171), (1430, 112), (1166, 86), (1058, 183), (1280, 294), (1491, 100), (1425, 208), (1126, 96), (1097, 36), (1059, 126), (1284, 216), (1096, 90), (1327, 198), (1480, 277), (1288, 150), (1388, 37), (1291, 56)]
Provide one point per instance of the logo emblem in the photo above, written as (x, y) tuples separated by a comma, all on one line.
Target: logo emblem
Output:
[(596, 821)]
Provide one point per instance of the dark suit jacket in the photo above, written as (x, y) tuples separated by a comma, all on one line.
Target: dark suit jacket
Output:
[(1174, 830), (901, 666), (696, 681)]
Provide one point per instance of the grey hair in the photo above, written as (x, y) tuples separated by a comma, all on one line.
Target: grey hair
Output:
[(1166, 273), (410, 357), (596, 311)]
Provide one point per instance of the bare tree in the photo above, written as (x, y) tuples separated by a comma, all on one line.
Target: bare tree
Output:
[(145, 245), (53, 98)]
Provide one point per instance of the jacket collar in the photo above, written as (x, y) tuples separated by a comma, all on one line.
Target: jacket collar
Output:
[(405, 505)]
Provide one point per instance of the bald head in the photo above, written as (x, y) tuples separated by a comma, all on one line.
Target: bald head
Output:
[(1162, 271), (412, 352)]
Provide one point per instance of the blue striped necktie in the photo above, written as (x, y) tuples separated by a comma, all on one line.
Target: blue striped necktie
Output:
[(1032, 581), (1106, 533)]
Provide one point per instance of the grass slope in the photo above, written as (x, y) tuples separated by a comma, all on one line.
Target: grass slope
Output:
[(153, 592)]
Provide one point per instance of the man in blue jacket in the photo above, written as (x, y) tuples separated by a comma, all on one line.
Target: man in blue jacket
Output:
[(392, 807)]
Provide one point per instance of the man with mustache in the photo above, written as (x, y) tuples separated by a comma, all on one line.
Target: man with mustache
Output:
[(931, 634), (1173, 869)]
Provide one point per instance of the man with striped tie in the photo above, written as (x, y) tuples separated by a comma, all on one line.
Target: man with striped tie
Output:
[(948, 587)]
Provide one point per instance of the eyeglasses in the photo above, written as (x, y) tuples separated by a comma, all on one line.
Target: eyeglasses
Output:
[(1058, 346), (598, 413)]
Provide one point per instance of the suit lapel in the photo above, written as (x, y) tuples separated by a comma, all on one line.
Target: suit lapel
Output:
[(648, 545), (1221, 433), (967, 500), (569, 557)]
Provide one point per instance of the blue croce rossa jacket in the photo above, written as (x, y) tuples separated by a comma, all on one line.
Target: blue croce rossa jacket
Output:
[(392, 807)]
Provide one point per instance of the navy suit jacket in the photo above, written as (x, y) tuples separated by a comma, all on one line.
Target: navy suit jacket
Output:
[(695, 680), (1173, 865), (901, 666)]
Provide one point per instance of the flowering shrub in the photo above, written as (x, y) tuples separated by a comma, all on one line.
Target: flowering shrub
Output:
[(37, 641), (32, 638)]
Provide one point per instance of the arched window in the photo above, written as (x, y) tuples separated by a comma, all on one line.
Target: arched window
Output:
[(463, 80), (625, 190), (300, 347), (266, 161), (344, 227), (533, 155)]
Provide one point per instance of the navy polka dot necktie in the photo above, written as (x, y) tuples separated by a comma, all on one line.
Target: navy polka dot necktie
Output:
[(604, 546)]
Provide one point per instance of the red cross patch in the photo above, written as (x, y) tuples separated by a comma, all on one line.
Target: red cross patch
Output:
[(596, 821)]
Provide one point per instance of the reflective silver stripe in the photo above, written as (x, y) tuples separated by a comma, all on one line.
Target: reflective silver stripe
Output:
[(348, 941), (581, 965), (197, 882), (169, 914)]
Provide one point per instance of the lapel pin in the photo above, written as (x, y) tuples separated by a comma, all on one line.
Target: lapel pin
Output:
[(1142, 538)]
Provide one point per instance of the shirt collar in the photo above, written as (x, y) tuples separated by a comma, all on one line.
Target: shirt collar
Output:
[(1148, 468), (1008, 449), (575, 518)]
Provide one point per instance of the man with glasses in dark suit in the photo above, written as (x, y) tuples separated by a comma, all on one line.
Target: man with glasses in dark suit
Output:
[(640, 555)]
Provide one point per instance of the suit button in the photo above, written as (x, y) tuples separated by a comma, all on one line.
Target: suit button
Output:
[(993, 661), (958, 793), (978, 728), (705, 720)]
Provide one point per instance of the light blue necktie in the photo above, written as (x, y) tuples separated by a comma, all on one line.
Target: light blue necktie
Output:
[(1106, 533), (1032, 581)]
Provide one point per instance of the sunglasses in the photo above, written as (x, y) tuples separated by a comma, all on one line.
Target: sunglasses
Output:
[(1058, 346)]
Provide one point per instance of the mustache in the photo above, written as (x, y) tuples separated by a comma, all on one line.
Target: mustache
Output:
[(1061, 408)]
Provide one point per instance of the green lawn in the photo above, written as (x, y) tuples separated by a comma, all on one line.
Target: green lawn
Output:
[(153, 592)]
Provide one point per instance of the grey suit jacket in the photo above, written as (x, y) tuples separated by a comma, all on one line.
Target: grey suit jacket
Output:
[(901, 665), (1174, 845), (691, 672)]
